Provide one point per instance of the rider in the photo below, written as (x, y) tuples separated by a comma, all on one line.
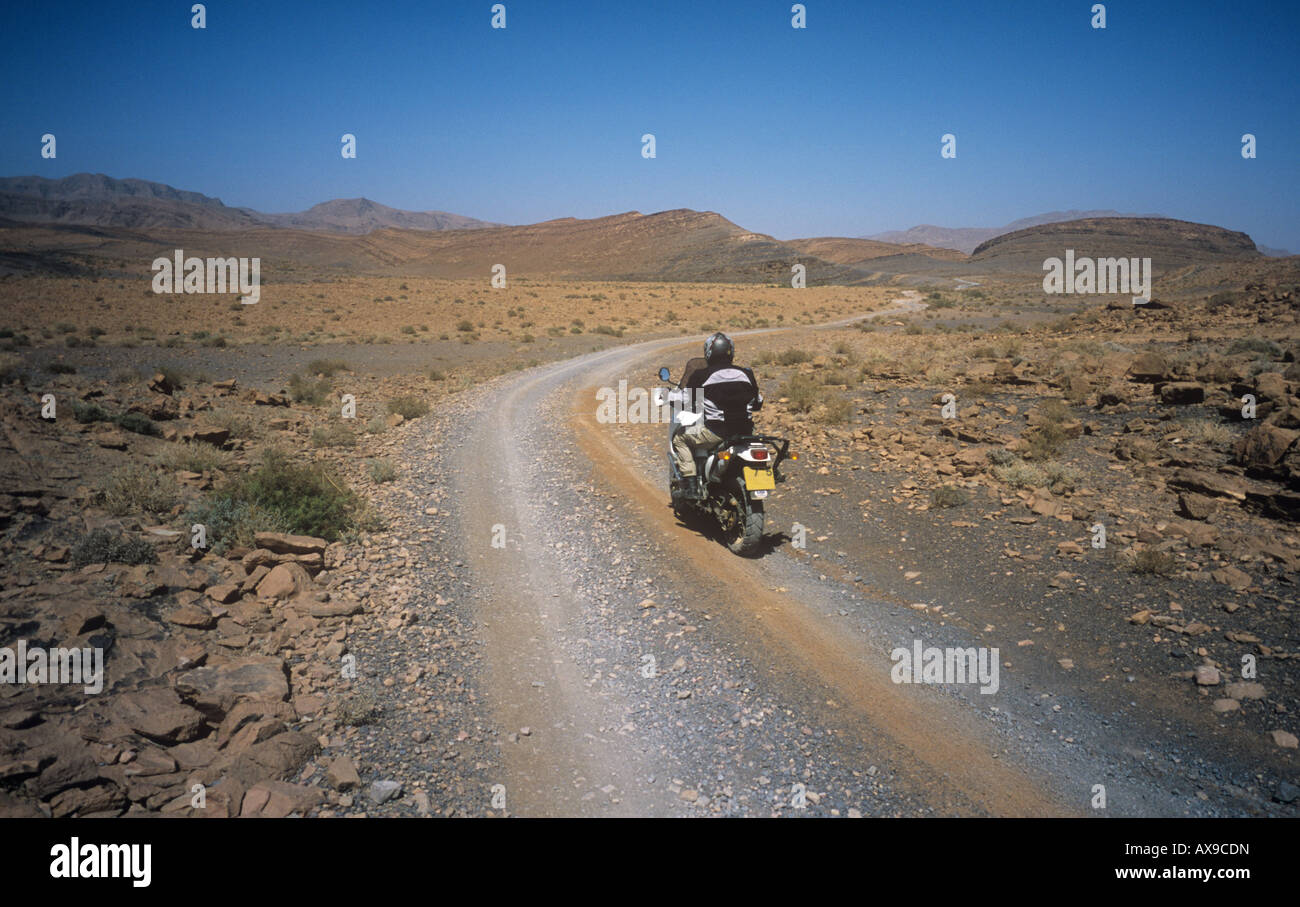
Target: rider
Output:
[(729, 394)]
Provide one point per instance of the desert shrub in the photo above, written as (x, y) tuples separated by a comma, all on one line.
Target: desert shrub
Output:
[(138, 488), (802, 392), (1001, 457), (103, 546), (1150, 562), (335, 434), (465, 325), (305, 498), (377, 425), (305, 390), (793, 357), (435, 375), (231, 523), (238, 424), (408, 407), (326, 368), (174, 376), (138, 423), (835, 410), (1048, 436), (194, 456), (1019, 474), (90, 412), (382, 471), (948, 496), (61, 368), (1204, 431), (359, 708), (1255, 345)]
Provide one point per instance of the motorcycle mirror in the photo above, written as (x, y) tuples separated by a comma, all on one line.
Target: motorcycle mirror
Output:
[(664, 374)]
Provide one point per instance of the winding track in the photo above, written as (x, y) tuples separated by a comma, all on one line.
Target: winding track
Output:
[(769, 611)]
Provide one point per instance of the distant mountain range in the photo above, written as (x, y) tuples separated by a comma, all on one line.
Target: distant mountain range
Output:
[(102, 201), (966, 239), (44, 225)]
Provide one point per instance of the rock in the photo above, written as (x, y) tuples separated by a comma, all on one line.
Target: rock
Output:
[(1209, 483), (207, 434), (251, 711), (1231, 576), (1284, 739), (158, 714), (278, 799), (224, 593), (281, 543), (215, 690), (1207, 676), (284, 581), (160, 385), (343, 775), (1148, 368), (1264, 445), (1286, 792), (1196, 506), (278, 757), (1182, 393), (383, 791), (337, 608), (192, 616), (1244, 690), (1223, 706)]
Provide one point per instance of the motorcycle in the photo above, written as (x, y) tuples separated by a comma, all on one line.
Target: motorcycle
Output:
[(739, 472)]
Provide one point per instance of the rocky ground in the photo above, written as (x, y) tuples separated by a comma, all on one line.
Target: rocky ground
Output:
[(277, 671)]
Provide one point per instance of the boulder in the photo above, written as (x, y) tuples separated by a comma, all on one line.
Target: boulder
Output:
[(284, 581), (158, 714), (215, 690)]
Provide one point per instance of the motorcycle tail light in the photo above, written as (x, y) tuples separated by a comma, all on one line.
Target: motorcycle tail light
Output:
[(758, 453)]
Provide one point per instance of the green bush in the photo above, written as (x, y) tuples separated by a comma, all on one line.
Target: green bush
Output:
[(138, 423), (233, 523), (103, 546), (309, 498), (89, 412)]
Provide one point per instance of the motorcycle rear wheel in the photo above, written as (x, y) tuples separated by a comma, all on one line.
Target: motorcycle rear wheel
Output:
[(746, 531)]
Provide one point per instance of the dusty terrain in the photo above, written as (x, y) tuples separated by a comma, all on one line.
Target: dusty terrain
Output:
[(456, 586)]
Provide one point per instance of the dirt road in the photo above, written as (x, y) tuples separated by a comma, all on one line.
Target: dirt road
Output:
[(634, 667)]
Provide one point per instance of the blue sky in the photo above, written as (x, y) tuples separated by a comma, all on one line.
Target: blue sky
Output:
[(830, 130)]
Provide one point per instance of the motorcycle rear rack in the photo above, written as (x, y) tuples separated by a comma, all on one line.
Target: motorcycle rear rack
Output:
[(782, 446)]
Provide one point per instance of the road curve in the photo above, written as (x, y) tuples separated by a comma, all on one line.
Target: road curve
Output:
[(769, 692)]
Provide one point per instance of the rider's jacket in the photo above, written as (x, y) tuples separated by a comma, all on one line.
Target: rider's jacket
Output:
[(728, 392)]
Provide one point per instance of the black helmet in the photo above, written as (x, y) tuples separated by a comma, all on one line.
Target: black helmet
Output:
[(719, 348)]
